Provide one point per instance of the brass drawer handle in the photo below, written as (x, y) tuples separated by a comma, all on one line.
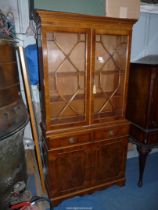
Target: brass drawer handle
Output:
[(72, 140), (111, 133)]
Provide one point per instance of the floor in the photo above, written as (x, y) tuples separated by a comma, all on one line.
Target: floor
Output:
[(32, 170)]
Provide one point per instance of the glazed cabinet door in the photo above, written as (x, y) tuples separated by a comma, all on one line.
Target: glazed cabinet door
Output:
[(68, 170), (109, 159), (66, 76), (110, 72)]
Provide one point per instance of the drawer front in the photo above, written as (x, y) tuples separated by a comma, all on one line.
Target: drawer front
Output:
[(150, 137), (68, 140), (111, 132), (153, 138), (94, 135), (137, 135)]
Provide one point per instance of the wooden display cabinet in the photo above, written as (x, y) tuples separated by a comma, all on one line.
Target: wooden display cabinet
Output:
[(83, 77)]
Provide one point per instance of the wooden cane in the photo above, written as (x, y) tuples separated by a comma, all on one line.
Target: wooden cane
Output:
[(32, 114)]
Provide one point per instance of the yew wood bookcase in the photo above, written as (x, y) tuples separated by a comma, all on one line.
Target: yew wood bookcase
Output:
[(84, 62)]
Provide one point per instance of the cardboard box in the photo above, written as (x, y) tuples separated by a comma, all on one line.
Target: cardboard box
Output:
[(123, 8)]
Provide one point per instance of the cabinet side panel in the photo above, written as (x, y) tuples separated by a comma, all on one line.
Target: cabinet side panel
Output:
[(153, 112), (138, 92)]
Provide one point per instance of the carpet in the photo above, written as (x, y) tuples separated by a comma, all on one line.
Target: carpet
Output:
[(129, 197)]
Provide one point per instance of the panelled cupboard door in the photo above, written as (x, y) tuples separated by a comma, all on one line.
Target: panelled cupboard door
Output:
[(109, 76), (109, 161), (66, 63), (68, 171), (77, 168)]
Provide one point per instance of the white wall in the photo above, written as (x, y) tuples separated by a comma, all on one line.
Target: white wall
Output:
[(145, 36), (20, 10)]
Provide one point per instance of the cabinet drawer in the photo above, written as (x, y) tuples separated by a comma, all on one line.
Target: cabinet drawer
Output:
[(153, 138), (68, 140), (111, 132)]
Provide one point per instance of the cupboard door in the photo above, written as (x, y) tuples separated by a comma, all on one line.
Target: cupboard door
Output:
[(109, 76), (66, 70), (110, 161), (67, 170)]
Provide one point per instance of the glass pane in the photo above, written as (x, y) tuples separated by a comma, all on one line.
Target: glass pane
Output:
[(66, 73), (109, 75)]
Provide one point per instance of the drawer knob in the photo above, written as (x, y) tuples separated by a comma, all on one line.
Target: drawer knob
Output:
[(72, 140), (111, 133)]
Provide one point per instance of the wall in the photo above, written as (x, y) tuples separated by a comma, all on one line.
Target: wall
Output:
[(20, 10), (14, 7), (92, 7), (145, 36)]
